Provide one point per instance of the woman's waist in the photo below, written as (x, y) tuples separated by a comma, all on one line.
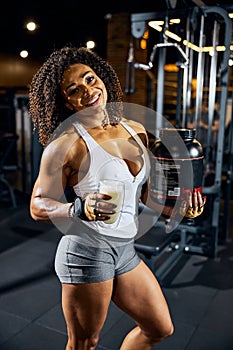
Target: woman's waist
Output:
[(99, 233)]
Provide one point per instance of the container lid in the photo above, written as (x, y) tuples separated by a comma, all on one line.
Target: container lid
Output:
[(173, 132)]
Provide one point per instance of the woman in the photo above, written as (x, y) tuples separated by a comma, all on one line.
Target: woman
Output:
[(95, 261)]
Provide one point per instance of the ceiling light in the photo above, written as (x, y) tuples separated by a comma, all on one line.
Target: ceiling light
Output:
[(24, 53), (172, 35), (31, 26), (90, 44)]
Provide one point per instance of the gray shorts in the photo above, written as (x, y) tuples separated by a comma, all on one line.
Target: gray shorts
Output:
[(79, 263)]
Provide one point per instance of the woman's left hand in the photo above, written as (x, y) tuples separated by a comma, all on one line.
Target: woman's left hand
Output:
[(193, 206)]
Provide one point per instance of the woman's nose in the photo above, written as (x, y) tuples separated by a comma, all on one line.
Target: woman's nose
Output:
[(85, 90)]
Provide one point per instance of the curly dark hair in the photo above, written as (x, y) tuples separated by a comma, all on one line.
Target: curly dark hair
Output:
[(46, 104)]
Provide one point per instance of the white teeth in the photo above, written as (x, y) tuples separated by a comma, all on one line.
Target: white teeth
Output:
[(93, 100)]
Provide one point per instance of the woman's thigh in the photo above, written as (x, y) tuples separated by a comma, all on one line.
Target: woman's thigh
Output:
[(139, 294), (85, 307)]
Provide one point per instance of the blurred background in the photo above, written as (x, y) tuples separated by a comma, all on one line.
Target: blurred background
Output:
[(174, 59)]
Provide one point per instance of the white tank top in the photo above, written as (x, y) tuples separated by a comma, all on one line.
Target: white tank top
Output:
[(105, 166)]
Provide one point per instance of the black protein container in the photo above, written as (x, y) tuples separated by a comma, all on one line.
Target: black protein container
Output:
[(176, 166)]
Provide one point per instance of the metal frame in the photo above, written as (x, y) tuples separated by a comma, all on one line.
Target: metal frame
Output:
[(192, 237), (10, 140)]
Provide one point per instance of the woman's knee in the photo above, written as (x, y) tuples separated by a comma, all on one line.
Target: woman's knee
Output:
[(84, 343), (158, 334), (169, 330), (165, 331)]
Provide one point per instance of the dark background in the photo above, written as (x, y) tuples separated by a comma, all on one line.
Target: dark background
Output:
[(62, 22)]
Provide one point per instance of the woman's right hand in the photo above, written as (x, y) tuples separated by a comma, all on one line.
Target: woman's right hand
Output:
[(97, 207)]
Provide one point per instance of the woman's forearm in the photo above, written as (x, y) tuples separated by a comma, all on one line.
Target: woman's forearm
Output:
[(47, 209)]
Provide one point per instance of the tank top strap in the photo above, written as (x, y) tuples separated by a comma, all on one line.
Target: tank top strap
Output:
[(80, 129), (133, 133), (90, 142)]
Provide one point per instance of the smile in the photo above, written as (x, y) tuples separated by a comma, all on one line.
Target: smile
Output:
[(93, 101)]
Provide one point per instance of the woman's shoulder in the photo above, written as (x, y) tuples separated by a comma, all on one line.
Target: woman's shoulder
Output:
[(63, 144), (136, 126)]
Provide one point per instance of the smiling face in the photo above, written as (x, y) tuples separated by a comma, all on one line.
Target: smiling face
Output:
[(82, 88)]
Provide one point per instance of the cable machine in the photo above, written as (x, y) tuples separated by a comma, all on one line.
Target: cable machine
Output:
[(202, 62)]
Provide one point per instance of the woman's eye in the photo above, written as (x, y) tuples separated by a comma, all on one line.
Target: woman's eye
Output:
[(90, 79), (73, 91)]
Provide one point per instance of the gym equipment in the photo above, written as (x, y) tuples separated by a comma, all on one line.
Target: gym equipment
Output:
[(182, 63), (130, 80), (7, 143), (211, 76)]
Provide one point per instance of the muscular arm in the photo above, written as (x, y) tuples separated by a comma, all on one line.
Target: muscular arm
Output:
[(47, 199), (45, 208)]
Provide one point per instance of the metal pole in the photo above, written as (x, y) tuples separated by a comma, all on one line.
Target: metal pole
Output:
[(200, 71), (212, 87), (185, 76), (190, 78), (160, 90), (179, 95)]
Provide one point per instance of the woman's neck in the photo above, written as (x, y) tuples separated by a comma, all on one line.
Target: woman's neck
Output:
[(90, 119)]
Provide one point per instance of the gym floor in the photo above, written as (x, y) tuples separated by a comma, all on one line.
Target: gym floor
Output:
[(199, 291)]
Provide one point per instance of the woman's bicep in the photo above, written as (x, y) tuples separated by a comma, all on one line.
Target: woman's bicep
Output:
[(52, 178), (48, 190)]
